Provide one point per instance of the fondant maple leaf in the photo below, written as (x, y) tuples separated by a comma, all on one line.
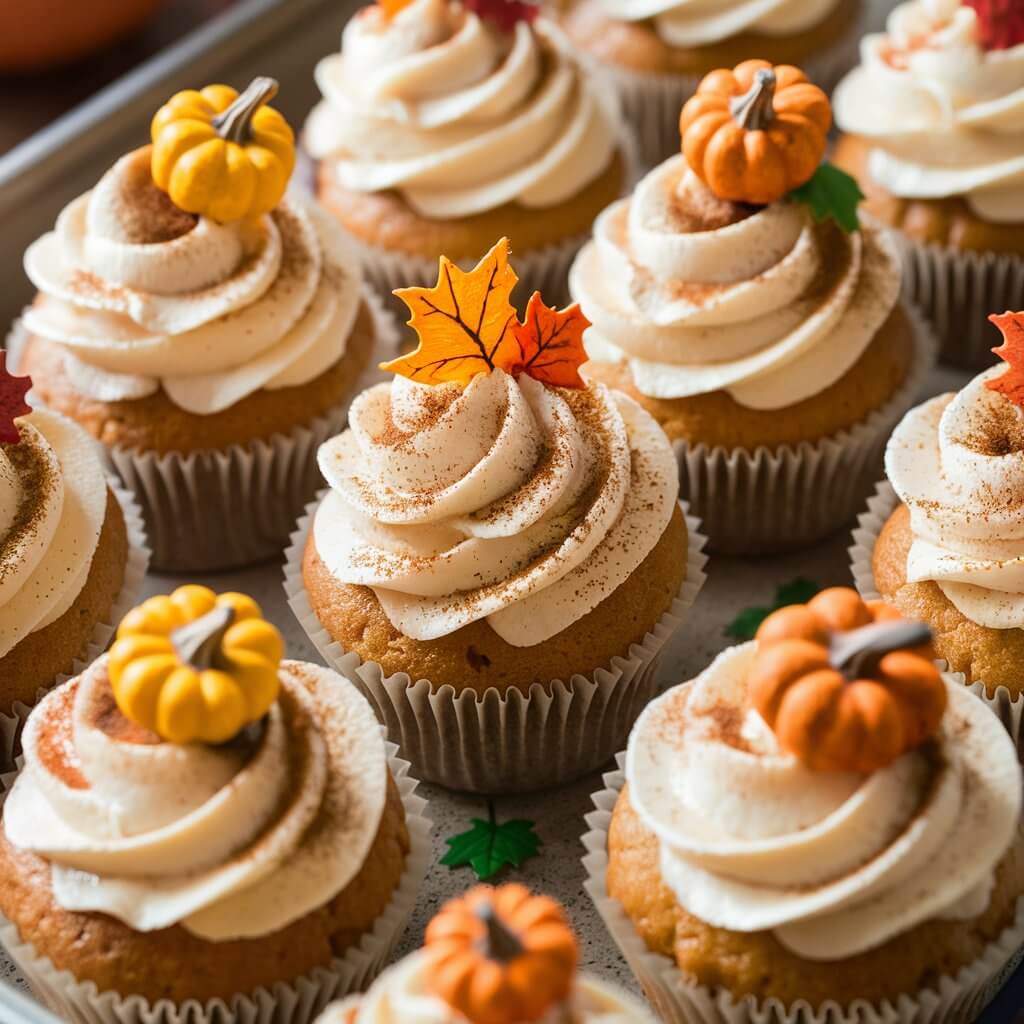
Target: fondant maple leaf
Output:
[(503, 13), (1010, 383), (551, 343), (1000, 23), (12, 401)]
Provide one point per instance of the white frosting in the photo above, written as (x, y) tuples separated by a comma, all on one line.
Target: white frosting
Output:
[(401, 995), (48, 532), (456, 116), (957, 462), (514, 502), (686, 23), (944, 116), (230, 842), (761, 308), (211, 315), (833, 864)]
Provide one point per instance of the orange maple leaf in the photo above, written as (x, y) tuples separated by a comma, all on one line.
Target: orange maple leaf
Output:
[(464, 322), (551, 344), (1011, 382)]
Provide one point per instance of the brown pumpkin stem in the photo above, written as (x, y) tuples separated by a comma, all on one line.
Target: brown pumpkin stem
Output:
[(855, 653), (197, 643), (499, 942), (754, 110), (235, 123)]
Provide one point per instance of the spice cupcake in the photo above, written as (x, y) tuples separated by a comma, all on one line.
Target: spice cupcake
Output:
[(933, 129), (200, 825), (736, 298), (72, 554), (492, 956), (204, 328), (445, 125), (821, 825), (655, 53), (501, 555)]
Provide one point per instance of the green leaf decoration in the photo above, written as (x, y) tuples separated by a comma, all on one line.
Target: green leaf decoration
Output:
[(489, 846), (748, 621), (831, 194)]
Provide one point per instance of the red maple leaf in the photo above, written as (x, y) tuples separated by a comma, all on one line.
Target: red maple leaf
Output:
[(551, 344), (503, 13), (12, 402), (1000, 22), (1011, 382)]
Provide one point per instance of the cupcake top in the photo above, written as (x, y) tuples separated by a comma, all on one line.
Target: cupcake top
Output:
[(493, 956), (940, 95), (487, 481), (191, 777), (686, 23), (53, 501), (738, 265), (826, 783), (460, 107), (199, 279), (957, 462)]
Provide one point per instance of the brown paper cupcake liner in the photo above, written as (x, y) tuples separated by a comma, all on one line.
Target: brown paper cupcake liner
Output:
[(789, 497), (679, 1000), (298, 1002), (12, 724), (512, 742), (1008, 708)]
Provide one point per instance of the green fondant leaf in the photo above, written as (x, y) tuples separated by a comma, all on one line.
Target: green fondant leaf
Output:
[(831, 194)]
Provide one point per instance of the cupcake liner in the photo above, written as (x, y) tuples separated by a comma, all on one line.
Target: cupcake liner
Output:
[(516, 742), (298, 1002), (789, 497), (12, 724), (1008, 708), (678, 1000)]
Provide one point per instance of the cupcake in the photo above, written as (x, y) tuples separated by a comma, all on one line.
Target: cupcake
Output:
[(492, 956), (821, 825), (72, 554), (655, 53), (202, 827), (501, 555), (445, 125), (932, 127), (736, 299), (206, 329)]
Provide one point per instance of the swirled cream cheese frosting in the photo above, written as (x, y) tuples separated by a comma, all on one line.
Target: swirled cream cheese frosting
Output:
[(944, 116), (53, 500), (142, 296), (230, 841), (832, 863), (505, 500), (686, 23), (457, 116), (401, 995), (770, 307), (957, 462)]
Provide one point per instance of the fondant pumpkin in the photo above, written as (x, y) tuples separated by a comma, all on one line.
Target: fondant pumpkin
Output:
[(846, 685), (223, 155), (755, 133), (195, 666), (501, 956)]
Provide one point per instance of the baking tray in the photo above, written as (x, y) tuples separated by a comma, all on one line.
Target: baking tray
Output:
[(285, 38)]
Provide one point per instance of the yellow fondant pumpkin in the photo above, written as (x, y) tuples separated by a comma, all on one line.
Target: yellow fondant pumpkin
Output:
[(194, 666), (220, 154)]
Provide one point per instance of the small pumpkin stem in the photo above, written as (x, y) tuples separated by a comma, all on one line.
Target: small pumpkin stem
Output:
[(499, 942), (754, 110), (854, 653), (197, 643), (235, 123)]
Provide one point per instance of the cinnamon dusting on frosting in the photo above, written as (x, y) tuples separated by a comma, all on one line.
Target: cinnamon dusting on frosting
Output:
[(56, 746), (143, 213), (995, 426), (38, 483), (694, 208)]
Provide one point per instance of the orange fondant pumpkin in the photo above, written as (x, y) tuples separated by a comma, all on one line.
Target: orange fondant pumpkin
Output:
[(501, 956), (755, 133), (846, 685)]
